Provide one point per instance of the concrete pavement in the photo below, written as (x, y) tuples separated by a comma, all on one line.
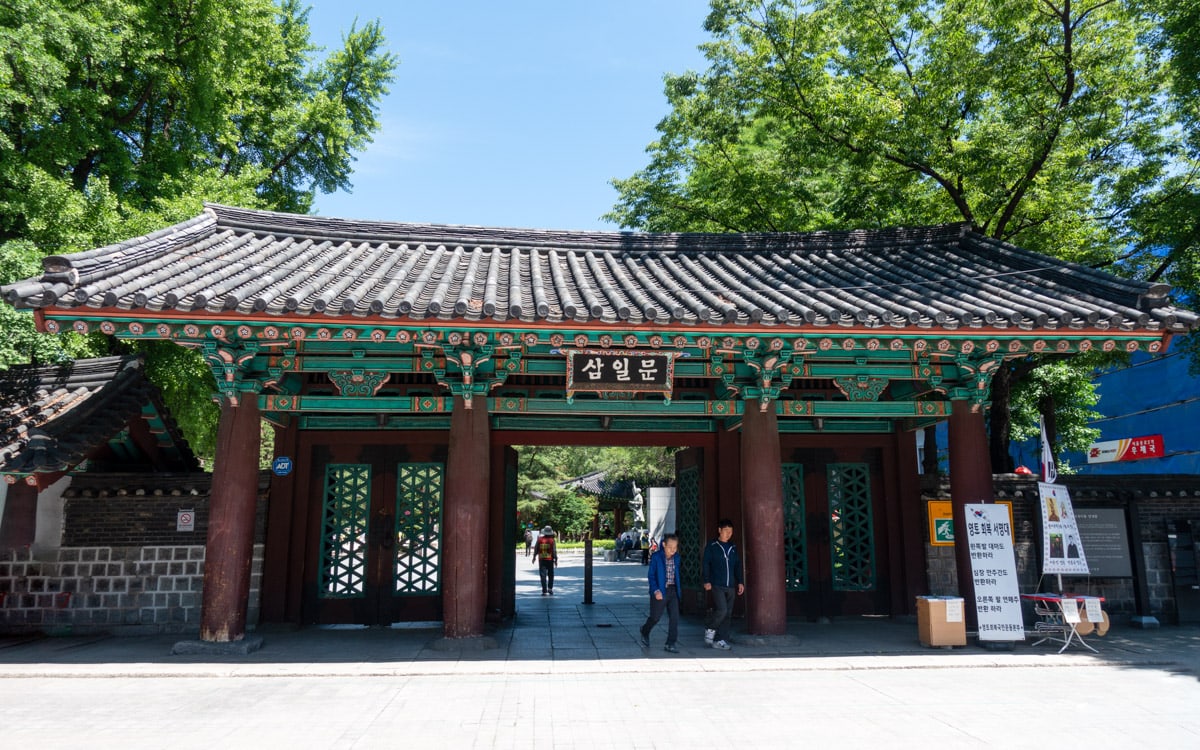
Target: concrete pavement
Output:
[(573, 675)]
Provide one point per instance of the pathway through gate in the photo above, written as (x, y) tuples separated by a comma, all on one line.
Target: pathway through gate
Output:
[(563, 627)]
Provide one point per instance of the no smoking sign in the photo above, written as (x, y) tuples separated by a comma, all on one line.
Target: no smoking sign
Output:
[(185, 520)]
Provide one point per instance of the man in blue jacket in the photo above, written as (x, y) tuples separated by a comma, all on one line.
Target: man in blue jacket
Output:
[(723, 577), (665, 591)]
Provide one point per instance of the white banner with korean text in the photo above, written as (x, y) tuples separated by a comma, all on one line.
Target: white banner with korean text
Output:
[(1062, 550), (994, 571)]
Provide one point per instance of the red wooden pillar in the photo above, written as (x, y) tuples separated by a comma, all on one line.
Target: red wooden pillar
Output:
[(465, 524), (970, 482), (762, 506), (19, 524), (229, 550)]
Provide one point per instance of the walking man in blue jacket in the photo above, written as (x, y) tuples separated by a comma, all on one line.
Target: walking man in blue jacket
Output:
[(723, 577), (665, 591)]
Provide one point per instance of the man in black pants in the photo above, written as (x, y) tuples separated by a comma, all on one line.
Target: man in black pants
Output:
[(547, 559), (665, 591), (723, 577)]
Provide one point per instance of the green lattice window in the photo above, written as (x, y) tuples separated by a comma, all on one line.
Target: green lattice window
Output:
[(687, 523), (418, 528), (851, 531), (795, 533), (344, 531)]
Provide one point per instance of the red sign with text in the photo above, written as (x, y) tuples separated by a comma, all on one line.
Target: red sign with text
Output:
[(1127, 449)]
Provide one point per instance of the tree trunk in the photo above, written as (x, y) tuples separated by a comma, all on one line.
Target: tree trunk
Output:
[(1000, 422), (929, 456)]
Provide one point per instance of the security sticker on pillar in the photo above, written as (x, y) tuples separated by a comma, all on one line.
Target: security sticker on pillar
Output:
[(185, 520), (281, 466)]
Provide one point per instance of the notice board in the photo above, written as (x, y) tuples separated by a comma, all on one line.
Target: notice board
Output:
[(1106, 539)]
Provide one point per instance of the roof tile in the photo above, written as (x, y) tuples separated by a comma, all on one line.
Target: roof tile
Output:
[(267, 263)]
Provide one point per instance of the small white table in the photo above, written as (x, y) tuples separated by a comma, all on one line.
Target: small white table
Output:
[(1059, 622)]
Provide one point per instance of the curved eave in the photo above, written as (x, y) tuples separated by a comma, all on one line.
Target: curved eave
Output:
[(94, 319)]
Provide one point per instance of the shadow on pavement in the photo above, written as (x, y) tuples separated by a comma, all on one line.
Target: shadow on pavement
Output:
[(560, 629)]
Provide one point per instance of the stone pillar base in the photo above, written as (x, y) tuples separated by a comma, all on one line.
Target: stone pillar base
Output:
[(473, 643), (218, 648)]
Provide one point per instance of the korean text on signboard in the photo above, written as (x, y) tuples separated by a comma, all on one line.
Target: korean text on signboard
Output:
[(1127, 449), (994, 570), (605, 370), (941, 520)]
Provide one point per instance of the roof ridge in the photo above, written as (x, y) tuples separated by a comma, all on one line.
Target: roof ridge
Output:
[(332, 227)]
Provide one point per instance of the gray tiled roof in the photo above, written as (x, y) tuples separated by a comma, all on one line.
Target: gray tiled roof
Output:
[(269, 264), (597, 483), (53, 418)]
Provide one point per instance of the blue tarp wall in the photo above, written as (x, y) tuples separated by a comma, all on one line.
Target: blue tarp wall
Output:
[(1149, 396)]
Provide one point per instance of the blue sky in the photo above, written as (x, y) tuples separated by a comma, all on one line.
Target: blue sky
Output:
[(512, 113)]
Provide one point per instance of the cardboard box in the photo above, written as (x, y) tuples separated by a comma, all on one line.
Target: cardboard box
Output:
[(941, 621)]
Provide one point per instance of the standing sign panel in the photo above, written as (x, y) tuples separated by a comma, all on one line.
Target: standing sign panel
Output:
[(994, 571), (1062, 550)]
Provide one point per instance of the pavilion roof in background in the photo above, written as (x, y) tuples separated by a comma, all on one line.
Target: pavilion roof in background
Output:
[(598, 484), (53, 418), (259, 264)]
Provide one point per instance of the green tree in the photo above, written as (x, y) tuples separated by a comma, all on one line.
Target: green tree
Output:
[(121, 116), (648, 466), (1065, 395), (541, 498), (1168, 219), (569, 512), (1041, 123)]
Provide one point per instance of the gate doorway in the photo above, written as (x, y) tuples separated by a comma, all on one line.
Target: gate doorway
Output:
[(835, 534), (378, 537), (627, 507)]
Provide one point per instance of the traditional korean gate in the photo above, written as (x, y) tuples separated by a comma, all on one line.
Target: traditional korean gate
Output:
[(832, 552), (378, 558)]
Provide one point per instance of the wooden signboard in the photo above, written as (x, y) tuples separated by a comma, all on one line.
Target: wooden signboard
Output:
[(612, 370)]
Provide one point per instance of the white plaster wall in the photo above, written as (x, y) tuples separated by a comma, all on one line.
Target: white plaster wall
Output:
[(660, 511), (47, 537)]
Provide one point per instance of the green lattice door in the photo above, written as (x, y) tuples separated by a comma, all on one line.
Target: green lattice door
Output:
[(379, 543), (832, 551)]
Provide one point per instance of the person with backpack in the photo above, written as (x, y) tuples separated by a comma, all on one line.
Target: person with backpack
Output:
[(546, 559)]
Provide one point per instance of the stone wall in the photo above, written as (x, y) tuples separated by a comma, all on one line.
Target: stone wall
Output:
[(122, 566), (1158, 501), (131, 590)]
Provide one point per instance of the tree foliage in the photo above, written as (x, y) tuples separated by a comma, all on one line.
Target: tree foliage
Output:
[(1168, 220), (1047, 123), (1066, 395), (542, 499), (121, 116)]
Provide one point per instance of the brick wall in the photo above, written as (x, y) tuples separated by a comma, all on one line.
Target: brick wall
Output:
[(122, 566), (120, 510), (1160, 500)]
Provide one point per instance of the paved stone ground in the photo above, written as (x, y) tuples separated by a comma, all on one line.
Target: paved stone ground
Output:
[(574, 676)]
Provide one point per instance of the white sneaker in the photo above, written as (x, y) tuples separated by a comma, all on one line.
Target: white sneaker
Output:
[(722, 645), (708, 637)]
